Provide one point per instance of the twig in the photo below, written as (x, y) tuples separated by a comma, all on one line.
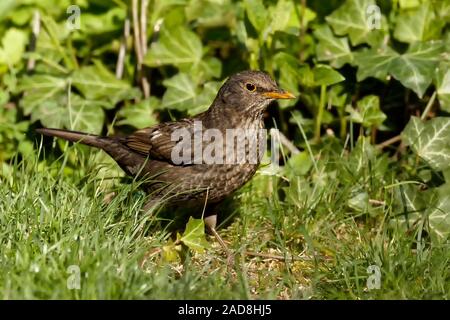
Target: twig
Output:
[(140, 41), (282, 258), (136, 33), (376, 202), (144, 6), (389, 142), (36, 29), (302, 29), (428, 107), (123, 50), (145, 82)]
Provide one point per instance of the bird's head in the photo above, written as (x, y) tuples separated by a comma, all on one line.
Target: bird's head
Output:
[(250, 91)]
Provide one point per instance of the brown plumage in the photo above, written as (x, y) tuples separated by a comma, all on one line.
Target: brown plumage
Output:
[(239, 104)]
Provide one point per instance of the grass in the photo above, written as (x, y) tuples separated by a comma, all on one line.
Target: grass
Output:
[(54, 216)]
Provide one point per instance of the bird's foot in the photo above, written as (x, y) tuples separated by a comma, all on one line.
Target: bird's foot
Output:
[(210, 223)]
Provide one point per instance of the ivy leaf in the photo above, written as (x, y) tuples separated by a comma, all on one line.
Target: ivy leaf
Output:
[(13, 47), (413, 204), (5, 8), (443, 88), (363, 156), (178, 46), (375, 63), (443, 10), (170, 251), (354, 19), (409, 205), (369, 113), (289, 68), (209, 67), (183, 94), (439, 219), (180, 93), (430, 140), (256, 13), (51, 112), (96, 83), (418, 25), (39, 89), (331, 48), (326, 76), (359, 202), (409, 4), (285, 18), (415, 68), (203, 100), (140, 115), (194, 235), (84, 115), (110, 21)]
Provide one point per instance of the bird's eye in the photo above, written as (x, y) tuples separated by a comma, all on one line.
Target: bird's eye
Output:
[(250, 87)]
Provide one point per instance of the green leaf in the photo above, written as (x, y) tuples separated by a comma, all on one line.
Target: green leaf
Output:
[(409, 4), (369, 113), (409, 205), (442, 8), (338, 95), (178, 46), (414, 204), (415, 68), (170, 251), (110, 21), (194, 235), (203, 100), (326, 76), (430, 140), (208, 68), (13, 47), (96, 83), (39, 89), (284, 17), (84, 115), (359, 202), (331, 48), (184, 95), (290, 73), (418, 25), (180, 93), (210, 13), (354, 19), (140, 115), (6, 6), (375, 63), (439, 219), (299, 164), (256, 13), (51, 112), (362, 157), (443, 88)]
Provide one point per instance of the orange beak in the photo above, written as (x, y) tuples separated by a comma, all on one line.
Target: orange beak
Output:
[(279, 95)]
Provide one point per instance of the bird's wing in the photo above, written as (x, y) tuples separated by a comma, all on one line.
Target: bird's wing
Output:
[(159, 141)]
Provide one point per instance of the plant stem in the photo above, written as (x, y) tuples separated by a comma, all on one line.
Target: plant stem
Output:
[(323, 92), (428, 107)]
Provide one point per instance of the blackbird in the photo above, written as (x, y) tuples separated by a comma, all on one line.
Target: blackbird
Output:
[(171, 157)]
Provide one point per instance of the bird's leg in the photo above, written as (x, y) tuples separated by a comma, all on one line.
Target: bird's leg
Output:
[(211, 222)]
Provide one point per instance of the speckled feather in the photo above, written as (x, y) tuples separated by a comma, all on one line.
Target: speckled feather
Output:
[(147, 152)]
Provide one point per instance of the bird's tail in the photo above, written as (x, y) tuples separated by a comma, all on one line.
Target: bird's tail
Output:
[(75, 136), (129, 161)]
